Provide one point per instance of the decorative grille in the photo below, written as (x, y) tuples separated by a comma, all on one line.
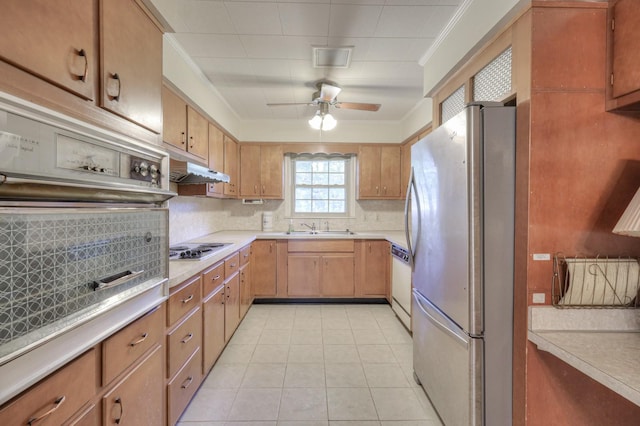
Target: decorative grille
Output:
[(493, 81), (452, 105)]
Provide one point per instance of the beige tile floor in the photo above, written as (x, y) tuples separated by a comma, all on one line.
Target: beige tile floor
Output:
[(308, 365)]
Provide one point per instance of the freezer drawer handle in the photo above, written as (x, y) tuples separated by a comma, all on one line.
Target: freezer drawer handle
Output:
[(441, 326)]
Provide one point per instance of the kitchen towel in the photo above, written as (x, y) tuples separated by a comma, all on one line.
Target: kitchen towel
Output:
[(601, 282)]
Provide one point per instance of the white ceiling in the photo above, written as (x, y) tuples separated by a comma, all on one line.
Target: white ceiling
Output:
[(259, 52)]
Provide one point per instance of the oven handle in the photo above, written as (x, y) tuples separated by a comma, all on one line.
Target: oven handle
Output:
[(115, 280)]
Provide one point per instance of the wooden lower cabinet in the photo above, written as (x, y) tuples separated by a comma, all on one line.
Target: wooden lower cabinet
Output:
[(373, 262), (231, 306), (303, 275), (263, 268), (135, 400), (183, 340), (246, 295), (56, 398), (337, 277), (213, 328)]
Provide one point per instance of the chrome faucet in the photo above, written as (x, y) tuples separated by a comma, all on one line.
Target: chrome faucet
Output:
[(312, 226)]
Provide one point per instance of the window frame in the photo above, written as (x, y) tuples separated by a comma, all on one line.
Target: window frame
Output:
[(350, 179)]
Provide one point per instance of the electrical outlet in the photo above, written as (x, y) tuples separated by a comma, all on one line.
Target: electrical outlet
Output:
[(539, 298)]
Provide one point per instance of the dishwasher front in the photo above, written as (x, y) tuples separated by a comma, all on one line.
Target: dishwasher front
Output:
[(401, 284)]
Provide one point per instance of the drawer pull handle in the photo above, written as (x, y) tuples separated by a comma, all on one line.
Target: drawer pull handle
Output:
[(246, 255), (140, 340), (217, 277), (233, 265), (187, 382), (188, 299), (56, 404), (187, 338), (119, 402)]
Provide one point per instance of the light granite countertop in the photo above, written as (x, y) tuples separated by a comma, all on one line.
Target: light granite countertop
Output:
[(181, 270), (602, 343)]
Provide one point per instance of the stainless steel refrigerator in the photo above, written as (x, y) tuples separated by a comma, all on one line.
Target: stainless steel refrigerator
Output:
[(460, 227)]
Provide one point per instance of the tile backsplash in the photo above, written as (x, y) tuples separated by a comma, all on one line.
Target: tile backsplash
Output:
[(192, 217)]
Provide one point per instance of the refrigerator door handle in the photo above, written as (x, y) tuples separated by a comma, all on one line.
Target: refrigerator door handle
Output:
[(448, 329), (411, 188)]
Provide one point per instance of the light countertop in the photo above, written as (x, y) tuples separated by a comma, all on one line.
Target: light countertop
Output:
[(181, 270), (602, 343)]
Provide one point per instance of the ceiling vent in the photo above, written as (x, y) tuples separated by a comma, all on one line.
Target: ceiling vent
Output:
[(332, 57)]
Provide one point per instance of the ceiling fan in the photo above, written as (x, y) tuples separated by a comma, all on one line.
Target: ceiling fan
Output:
[(327, 95)]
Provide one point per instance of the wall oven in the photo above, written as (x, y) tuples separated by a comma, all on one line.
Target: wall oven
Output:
[(83, 238)]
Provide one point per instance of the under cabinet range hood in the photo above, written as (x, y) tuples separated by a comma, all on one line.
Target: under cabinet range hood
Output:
[(186, 173), (48, 156)]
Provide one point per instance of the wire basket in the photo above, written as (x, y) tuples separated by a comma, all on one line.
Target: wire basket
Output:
[(595, 282)]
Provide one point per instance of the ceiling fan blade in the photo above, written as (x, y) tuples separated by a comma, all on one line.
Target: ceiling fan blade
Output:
[(293, 103), (358, 106), (328, 92)]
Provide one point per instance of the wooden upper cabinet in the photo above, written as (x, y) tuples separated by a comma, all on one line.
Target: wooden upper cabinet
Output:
[(174, 118), (197, 134), (379, 172), (261, 171), (56, 41), (624, 62), (131, 63), (250, 171), (216, 159), (231, 167)]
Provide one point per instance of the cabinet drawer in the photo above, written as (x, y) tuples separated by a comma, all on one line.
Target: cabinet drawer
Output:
[(185, 298), (57, 397), (245, 255), (183, 386), (212, 278), (183, 341), (231, 265), (127, 345), (321, 246)]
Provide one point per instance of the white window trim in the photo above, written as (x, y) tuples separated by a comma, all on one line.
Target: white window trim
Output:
[(290, 188)]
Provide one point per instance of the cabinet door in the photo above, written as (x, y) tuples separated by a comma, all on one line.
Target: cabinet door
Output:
[(390, 172), (369, 171), (231, 167), (213, 328), (245, 289), (250, 165), (174, 114), (303, 275), (375, 280), (57, 397), (271, 164), (131, 63), (216, 159), (338, 275), (626, 39), (53, 40), (264, 264), (197, 134), (138, 399), (231, 306)]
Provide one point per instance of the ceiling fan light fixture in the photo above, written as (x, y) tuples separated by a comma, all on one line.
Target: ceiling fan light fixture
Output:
[(322, 121)]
